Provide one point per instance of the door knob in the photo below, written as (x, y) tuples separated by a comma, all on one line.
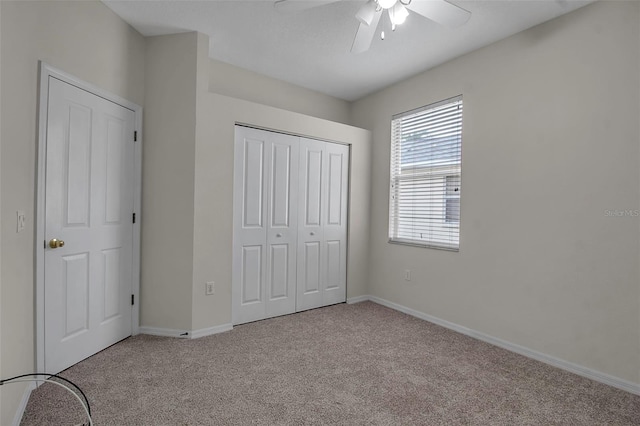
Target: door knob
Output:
[(55, 243), (312, 233), (278, 235)]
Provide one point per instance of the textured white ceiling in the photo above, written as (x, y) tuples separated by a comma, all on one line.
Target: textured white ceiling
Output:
[(311, 48)]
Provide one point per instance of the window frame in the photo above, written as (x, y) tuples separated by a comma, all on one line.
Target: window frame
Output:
[(439, 163)]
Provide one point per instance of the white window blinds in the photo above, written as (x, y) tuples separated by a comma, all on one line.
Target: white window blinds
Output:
[(424, 199)]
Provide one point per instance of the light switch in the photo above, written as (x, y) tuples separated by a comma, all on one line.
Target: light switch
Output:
[(22, 219)]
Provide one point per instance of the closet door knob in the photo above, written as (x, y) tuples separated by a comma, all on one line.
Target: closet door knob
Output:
[(312, 233), (278, 235)]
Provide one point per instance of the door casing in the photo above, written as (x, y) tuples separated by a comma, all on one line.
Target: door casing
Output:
[(47, 71)]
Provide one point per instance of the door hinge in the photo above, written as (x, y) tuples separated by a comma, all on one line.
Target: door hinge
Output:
[(134, 218), (132, 299), (135, 135)]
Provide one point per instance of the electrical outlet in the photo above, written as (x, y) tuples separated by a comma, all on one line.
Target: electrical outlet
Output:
[(407, 274), (210, 288), (22, 219)]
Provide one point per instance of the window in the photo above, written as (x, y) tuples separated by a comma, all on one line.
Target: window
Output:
[(424, 199)]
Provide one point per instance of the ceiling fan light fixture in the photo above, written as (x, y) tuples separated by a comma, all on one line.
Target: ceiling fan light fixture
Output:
[(386, 4), (366, 12), (398, 14)]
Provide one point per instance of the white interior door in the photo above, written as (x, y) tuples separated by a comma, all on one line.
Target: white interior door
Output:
[(88, 205), (265, 224)]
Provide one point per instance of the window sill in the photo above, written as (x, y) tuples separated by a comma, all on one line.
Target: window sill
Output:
[(414, 243)]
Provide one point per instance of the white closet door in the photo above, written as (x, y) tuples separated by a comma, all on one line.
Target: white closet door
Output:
[(265, 224), (334, 224), (322, 235), (311, 274), (282, 229)]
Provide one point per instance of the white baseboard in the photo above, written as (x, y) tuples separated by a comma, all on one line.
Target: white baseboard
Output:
[(185, 334), (357, 299), (195, 334), (23, 403), (598, 376)]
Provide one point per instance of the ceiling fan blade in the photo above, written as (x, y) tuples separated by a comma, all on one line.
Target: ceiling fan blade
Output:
[(365, 35), (298, 5), (441, 12)]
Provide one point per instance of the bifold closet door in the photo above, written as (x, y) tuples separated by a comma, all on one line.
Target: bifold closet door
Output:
[(265, 224), (322, 224)]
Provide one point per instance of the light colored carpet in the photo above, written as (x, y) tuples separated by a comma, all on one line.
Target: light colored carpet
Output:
[(344, 364)]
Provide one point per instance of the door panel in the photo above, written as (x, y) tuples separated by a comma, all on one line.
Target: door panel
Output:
[(115, 140), (75, 287), (333, 265), (279, 279), (251, 274), (111, 283), (78, 164), (253, 184), (265, 188), (313, 184), (280, 190), (311, 280), (283, 224), (310, 232), (324, 170), (334, 194), (335, 224), (88, 195), (250, 233)]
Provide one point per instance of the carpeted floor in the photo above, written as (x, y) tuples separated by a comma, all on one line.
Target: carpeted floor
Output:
[(344, 364)]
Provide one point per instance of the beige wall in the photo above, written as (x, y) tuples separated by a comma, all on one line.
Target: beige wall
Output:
[(217, 116), (229, 80), (167, 181), (87, 40), (550, 142)]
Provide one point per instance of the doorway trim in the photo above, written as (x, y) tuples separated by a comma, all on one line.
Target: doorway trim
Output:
[(47, 71)]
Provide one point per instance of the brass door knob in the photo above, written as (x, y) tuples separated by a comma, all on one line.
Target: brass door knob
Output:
[(55, 243)]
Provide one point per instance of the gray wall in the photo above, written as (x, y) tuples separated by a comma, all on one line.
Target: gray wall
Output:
[(187, 191), (229, 80), (550, 142), (214, 195), (1, 418), (167, 178), (82, 38)]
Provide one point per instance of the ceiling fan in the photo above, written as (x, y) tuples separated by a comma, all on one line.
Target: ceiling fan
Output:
[(370, 13)]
